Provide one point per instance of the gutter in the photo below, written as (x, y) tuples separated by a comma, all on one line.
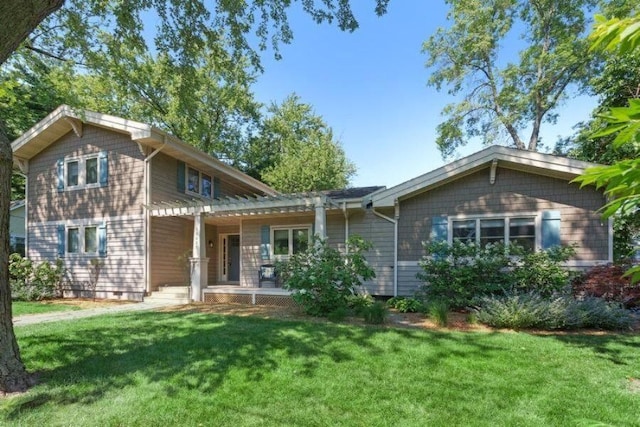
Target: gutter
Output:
[(394, 221)]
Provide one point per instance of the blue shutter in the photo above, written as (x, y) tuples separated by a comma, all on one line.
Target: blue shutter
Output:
[(181, 176), (60, 167), (216, 187), (265, 245), (61, 239), (102, 240), (550, 229), (103, 163), (439, 229)]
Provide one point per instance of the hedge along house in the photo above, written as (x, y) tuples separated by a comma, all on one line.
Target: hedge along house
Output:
[(157, 212)]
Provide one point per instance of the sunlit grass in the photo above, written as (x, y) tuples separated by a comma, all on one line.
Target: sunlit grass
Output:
[(189, 369), (20, 308)]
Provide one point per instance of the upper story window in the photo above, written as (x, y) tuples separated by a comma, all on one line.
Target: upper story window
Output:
[(195, 182), (83, 172)]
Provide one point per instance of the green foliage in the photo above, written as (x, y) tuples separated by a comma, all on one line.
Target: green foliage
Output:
[(34, 283), (376, 313), (462, 272), (295, 151), (499, 99), (359, 302), (405, 305), (533, 310), (438, 310), (322, 279)]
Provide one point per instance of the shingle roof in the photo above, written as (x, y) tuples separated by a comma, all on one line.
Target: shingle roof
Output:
[(351, 193)]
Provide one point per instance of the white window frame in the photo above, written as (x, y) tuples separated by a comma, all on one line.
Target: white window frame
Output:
[(290, 229), (82, 171), (200, 192), (81, 239), (506, 217)]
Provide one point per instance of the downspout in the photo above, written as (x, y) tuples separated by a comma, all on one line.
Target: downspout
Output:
[(346, 226), (26, 213), (395, 243), (147, 217)]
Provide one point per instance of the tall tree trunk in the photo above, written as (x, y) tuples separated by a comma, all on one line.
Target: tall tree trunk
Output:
[(13, 375), (18, 18)]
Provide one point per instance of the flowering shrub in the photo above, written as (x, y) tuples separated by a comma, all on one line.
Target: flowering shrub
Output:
[(34, 283), (323, 279)]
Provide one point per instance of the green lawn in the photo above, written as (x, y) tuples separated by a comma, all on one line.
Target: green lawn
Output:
[(190, 369), (20, 308)]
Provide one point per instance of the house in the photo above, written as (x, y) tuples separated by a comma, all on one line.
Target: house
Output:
[(17, 227), (159, 212)]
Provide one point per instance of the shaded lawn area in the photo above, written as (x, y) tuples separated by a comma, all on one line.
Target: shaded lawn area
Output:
[(189, 369), (19, 308)]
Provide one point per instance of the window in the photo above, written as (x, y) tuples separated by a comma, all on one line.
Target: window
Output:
[(289, 241), (82, 172), (88, 239), (483, 231), (199, 183)]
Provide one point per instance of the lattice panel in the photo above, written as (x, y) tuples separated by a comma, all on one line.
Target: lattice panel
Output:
[(275, 300), (227, 299)]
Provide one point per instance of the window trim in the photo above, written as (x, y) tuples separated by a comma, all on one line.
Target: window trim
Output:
[(537, 217), (82, 171), (290, 228), (81, 239), (201, 174)]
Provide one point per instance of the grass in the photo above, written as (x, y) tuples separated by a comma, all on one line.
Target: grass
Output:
[(20, 308), (190, 369)]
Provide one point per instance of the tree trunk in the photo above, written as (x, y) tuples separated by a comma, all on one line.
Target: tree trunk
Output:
[(18, 18), (13, 375)]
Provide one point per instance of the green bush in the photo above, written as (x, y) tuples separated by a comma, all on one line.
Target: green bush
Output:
[(405, 305), (322, 279), (461, 273), (34, 283), (532, 310), (376, 313), (359, 302)]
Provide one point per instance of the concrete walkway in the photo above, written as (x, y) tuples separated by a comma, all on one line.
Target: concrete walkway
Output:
[(29, 319)]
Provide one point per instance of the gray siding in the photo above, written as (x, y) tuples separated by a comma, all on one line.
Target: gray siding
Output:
[(408, 283), (513, 191), (380, 233)]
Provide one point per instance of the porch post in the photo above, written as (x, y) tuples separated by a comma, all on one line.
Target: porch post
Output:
[(199, 260), (321, 219)]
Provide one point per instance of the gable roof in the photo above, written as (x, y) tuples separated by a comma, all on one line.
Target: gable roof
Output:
[(504, 157), (65, 119)]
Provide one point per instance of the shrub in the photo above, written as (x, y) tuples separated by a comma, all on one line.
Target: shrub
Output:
[(322, 279), (439, 312), (405, 305), (376, 313), (359, 302), (34, 283), (532, 310), (461, 273), (608, 282)]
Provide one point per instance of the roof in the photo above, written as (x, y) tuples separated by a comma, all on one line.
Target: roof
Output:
[(504, 157), (16, 204), (65, 119), (351, 193)]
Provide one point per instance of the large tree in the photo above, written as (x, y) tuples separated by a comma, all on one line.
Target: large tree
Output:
[(185, 29), (295, 150), (501, 96)]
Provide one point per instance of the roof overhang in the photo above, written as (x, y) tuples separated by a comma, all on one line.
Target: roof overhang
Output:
[(492, 157), (66, 119)]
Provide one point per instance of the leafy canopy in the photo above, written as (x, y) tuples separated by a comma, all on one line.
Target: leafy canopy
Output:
[(499, 100)]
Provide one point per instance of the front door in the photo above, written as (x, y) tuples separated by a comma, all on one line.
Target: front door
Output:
[(234, 258), (230, 258)]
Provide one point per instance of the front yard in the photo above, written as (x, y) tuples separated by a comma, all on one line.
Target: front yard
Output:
[(192, 368)]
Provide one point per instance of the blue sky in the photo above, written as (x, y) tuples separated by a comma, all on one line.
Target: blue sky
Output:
[(370, 86)]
